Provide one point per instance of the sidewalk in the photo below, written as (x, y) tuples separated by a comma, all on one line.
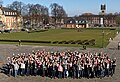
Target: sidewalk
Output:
[(114, 43)]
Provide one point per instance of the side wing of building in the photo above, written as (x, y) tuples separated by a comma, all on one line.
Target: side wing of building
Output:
[(9, 18)]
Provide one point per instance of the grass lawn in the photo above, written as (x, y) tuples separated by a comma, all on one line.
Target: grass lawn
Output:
[(62, 35)]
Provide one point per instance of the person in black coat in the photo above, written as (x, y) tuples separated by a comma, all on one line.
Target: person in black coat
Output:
[(113, 66)]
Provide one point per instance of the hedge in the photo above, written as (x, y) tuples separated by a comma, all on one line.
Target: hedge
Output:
[(32, 31), (92, 42), (70, 41), (29, 41), (84, 42), (55, 42)]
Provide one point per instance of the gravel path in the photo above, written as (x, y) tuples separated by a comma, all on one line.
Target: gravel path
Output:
[(114, 43), (8, 50)]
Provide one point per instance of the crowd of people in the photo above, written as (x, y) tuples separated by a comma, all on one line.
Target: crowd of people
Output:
[(61, 64)]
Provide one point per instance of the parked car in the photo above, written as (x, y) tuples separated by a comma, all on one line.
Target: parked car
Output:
[(1, 31), (25, 29), (7, 30)]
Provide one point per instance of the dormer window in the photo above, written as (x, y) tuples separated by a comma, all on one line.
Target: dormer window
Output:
[(0, 12), (76, 21), (83, 21), (79, 21), (9, 13), (6, 13)]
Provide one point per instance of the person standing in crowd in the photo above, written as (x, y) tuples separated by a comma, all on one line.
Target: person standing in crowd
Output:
[(62, 65), (43, 69), (22, 68), (53, 67), (50, 70), (74, 70), (16, 67), (65, 69), (27, 67), (79, 70), (39, 67), (9, 66), (113, 66), (31, 68), (60, 70), (102, 68), (70, 69)]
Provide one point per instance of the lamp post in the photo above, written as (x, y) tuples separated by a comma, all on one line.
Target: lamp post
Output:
[(19, 42)]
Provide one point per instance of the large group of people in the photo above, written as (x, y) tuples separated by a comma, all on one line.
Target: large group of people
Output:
[(57, 64)]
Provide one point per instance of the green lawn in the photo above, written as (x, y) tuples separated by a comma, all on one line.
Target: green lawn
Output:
[(61, 35)]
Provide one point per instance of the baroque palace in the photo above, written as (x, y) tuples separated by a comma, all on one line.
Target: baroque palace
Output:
[(9, 18), (87, 20), (12, 19)]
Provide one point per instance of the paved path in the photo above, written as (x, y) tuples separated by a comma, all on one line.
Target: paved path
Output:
[(114, 43)]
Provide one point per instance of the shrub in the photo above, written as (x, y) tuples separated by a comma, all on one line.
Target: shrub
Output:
[(87, 43), (77, 41), (92, 42), (84, 41), (29, 41), (70, 41), (66, 42), (9, 40), (55, 42), (61, 42), (32, 31), (73, 43), (112, 29)]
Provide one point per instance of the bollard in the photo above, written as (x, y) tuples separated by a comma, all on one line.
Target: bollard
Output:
[(19, 42), (84, 47)]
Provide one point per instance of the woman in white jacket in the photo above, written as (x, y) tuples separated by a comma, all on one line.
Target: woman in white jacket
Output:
[(22, 68), (16, 67)]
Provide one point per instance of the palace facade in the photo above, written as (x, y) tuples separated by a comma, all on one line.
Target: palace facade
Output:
[(91, 20), (9, 18)]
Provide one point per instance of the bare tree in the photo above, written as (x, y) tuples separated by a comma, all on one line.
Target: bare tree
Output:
[(57, 12), (17, 6), (40, 13), (117, 19)]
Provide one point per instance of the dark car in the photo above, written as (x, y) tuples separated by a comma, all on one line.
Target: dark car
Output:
[(7, 30), (25, 29), (1, 31)]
